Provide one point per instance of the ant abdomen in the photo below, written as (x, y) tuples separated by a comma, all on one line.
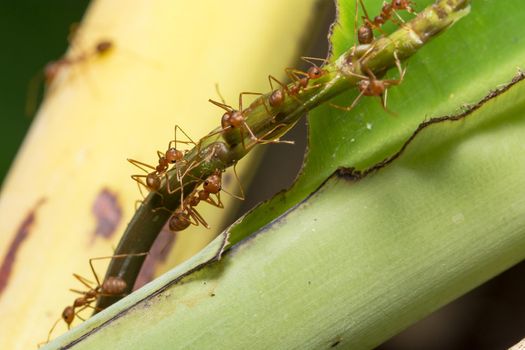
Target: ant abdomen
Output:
[(114, 286)]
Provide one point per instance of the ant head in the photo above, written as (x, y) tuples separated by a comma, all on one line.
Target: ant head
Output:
[(315, 72), (68, 315), (236, 119), (225, 120), (212, 184), (173, 155), (103, 46), (153, 181)]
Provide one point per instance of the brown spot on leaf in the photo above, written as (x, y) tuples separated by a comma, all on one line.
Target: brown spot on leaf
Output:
[(159, 253), (21, 234), (108, 213)]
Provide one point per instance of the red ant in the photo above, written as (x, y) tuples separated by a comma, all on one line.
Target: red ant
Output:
[(51, 70), (235, 119), (365, 34), (299, 80), (172, 155), (112, 286), (371, 86), (187, 215)]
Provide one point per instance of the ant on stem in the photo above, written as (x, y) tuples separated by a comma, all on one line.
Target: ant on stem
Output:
[(235, 119), (371, 86), (365, 33), (112, 286), (187, 215), (299, 80), (152, 181)]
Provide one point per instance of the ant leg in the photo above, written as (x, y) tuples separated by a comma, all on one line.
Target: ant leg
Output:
[(241, 197), (356, 39), (311, 60), (197, 217), (241, 133), (263, 141), (256, 94), (141, 165), (78, 291), (175, 141), (383, 98), (295, 74), (118, 256), (211, 134), (349, 108), (245, 125), (185, 134), (216, 203), (360, 76), (284, 87), (180, 176), (137, 178), (162, 208), (364, 10), (50, 332), (77, 313)]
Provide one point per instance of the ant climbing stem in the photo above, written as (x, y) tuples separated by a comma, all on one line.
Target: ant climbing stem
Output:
[(152, 181), (365, 34), (371, 86), (111, 286), (187, 215), (235, 119), (300, 80)]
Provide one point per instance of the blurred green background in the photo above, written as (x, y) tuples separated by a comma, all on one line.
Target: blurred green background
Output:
[(32, 33)]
